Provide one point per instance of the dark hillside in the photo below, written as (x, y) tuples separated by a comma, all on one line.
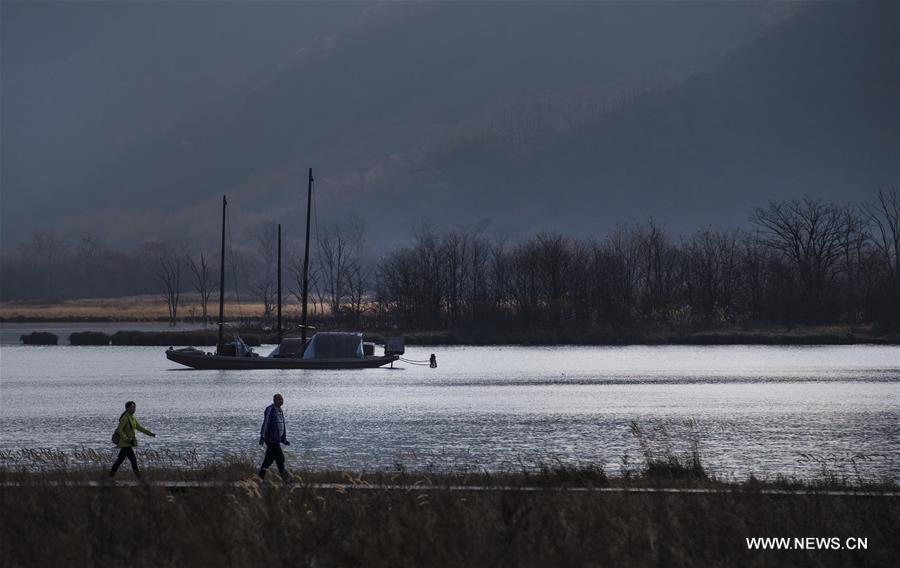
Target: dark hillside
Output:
[(373, 104), (807, 109)]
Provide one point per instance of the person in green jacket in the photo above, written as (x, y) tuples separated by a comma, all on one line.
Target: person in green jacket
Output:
[(127, 438)]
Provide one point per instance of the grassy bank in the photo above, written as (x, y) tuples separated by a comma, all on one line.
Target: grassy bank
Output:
[(128, 308), (153, 309), (299, 524)]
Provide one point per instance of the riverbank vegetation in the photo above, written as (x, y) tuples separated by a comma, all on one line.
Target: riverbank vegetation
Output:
[(403, 518), (805, 263), (254, 335), (39, 338)]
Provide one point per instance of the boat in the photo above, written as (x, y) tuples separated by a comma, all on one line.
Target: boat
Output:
[(322, 350)]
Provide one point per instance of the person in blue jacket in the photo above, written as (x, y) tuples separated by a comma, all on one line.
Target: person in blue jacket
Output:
[(272, 434)]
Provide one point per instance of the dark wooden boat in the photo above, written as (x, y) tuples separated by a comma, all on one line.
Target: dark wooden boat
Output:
[(197, 359), (321, 351)]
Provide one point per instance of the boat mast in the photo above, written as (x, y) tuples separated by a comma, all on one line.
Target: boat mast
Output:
[(222, 280), (306, 260), (279, 283)]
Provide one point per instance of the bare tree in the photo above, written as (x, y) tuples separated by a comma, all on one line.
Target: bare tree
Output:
[(430, 295), (807, 261), (658, 265), (754, 262), (622, 267), (45, 252), (91, 247), (455, 252), (264, 286), (338, 253), (884, 218), (295, 287), (499, 274), (358, 279), (810, 234), (478, 274), (169, 275), (710, 273), (202, 274)]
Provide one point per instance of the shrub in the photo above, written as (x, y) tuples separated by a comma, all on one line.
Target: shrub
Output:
[(40, 338), (89, 338), (163, 338), (177, 338)]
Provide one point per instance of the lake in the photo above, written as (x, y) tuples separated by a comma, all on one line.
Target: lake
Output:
[(760, 409)]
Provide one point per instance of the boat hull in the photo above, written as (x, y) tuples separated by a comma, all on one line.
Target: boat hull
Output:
[(225, 362)]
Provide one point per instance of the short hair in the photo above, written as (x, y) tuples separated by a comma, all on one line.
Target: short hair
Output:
[(277, 396), (129, 403)]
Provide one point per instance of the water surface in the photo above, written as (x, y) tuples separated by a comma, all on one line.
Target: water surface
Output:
[(760, 409)]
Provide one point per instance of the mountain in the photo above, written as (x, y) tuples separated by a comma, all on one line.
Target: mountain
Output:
[(810, 108), (568, 116)]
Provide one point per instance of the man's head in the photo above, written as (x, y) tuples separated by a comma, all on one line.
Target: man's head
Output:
[(278, 400), (130, 406)]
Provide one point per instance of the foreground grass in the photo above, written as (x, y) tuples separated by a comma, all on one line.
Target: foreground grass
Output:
[(297, 524)]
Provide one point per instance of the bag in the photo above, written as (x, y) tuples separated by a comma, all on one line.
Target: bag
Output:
[(115, 434)]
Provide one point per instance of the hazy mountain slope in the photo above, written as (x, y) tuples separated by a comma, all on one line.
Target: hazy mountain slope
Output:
[(809, 109), (384, 97), (82, 81)]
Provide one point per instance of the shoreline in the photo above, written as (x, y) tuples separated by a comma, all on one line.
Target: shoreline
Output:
[(255, 336), (126, 314)]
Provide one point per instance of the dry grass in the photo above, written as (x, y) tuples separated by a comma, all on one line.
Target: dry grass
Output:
[(130, 308), (126, 308), (301, 525), (298, 524)]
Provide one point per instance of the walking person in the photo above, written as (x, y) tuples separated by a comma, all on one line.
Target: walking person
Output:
[(125, 438), (272, 434)]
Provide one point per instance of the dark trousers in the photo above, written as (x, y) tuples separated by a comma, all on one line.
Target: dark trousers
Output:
[(126, 453), (273, 454)]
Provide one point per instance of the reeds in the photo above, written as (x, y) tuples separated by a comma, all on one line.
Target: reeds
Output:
[(661, 461), (248, 524), (526, 515)]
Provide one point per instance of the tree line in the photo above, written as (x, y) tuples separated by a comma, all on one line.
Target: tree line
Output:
[(799, 262)]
